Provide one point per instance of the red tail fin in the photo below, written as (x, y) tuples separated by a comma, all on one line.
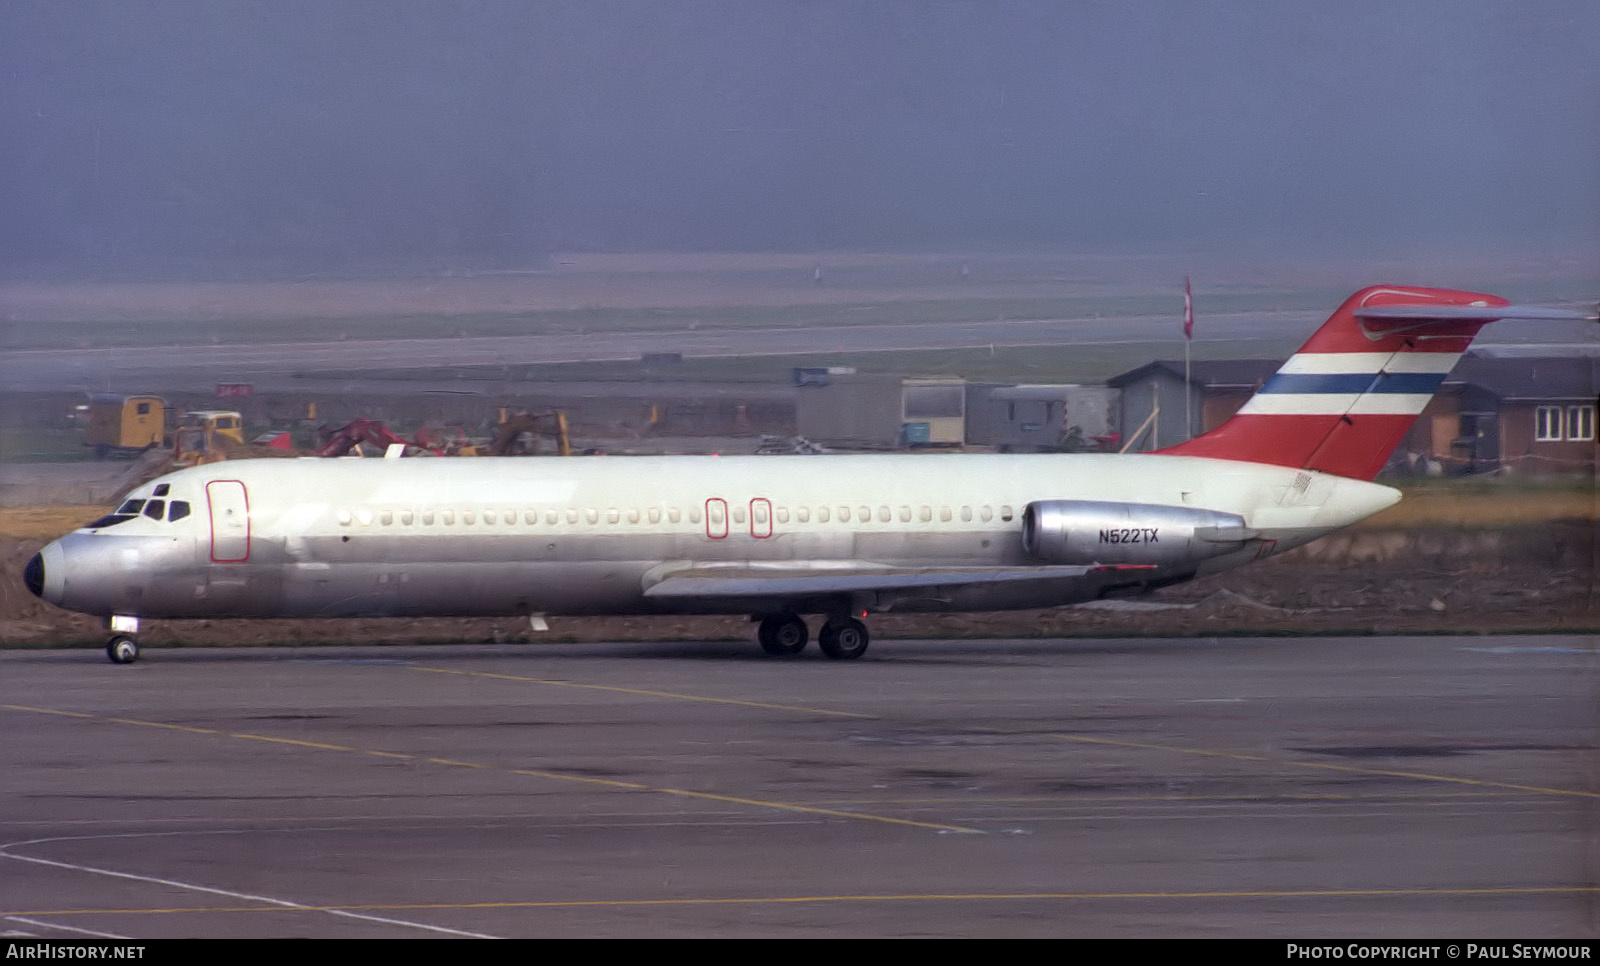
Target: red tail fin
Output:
[(1345, 400)]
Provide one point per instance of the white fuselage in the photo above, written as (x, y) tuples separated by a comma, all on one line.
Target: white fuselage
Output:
[(487, 536)]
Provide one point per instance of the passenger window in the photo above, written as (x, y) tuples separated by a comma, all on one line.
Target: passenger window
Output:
[(905, 514), (155, 509), (406, 517), (822, 514), (510, 517), (447, 517), (365, 516), (883, 514), (802, 514), (1005, 514), (592, 514), (572, 515), (844, 514), (783, 514), (694, 514), (467, 517), (612, 516), (984, 513), (633, 515), (178, 510), (966, 514), (944, 514), (386, 518), (488, 516), (531, 517), (925, 514), (738, 514), (427, 518), (865, 514), (672, 514), (344, 518), (655, 514)]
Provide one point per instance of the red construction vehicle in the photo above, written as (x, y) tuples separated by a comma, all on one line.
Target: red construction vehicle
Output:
[(341, 441)]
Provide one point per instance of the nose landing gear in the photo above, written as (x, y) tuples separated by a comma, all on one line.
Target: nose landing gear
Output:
[(123, 648)]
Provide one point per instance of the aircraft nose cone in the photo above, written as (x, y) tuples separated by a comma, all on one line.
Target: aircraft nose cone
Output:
[(33, 575)]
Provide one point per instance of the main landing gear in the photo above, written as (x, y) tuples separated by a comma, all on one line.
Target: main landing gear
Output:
[(785, 635), (844, 640), (123, 648)]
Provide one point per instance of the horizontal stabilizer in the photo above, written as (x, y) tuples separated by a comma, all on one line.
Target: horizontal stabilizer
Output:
[(795, 581), (1477, 313)]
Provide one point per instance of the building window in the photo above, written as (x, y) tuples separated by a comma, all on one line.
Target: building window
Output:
[(1580, 422), (1547, 423), (934, 402)]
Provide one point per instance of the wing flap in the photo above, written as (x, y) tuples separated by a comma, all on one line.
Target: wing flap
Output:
[(785, 582)]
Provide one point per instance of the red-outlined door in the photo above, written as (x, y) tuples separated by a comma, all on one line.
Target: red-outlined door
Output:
[(717, 518), (230, 521), (761, 518)]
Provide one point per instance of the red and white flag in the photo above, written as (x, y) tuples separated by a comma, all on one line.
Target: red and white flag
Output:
[(1188, 310)]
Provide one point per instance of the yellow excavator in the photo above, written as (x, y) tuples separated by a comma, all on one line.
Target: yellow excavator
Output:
[(519, 433)]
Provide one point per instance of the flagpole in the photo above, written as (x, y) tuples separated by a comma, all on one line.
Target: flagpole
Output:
[(1188, 384), (1188, 395)]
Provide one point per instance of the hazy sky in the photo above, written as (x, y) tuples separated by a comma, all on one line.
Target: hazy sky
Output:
[(225, 137)]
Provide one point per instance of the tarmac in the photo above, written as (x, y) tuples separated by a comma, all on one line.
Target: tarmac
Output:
[(1375, 787)]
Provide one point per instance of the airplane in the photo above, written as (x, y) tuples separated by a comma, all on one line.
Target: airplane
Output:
[(779, 537)]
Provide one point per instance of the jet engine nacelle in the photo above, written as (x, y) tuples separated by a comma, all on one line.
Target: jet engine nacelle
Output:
[(1093, 532)]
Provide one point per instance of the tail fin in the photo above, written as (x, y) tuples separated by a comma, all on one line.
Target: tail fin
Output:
[(1344, 401)]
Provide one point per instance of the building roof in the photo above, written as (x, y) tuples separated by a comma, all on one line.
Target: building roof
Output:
[(1524, 378), (1054, 393), (1510, 377), (1210, 373)]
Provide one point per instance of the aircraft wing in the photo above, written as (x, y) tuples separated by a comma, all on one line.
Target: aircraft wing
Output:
[(782, 581)]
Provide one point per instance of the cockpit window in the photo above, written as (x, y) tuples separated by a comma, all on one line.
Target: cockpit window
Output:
[(132, 508), (161, 489), (155, 509), (179, 510)]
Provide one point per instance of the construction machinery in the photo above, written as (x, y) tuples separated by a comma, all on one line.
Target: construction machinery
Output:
[(205, 436), (125, 424), (519, 433), (341, 441)]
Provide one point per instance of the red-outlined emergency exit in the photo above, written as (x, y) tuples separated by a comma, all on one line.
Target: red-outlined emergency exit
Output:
[(230, 521)]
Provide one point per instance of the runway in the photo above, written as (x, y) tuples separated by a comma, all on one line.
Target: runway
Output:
[(273, 365), (1437, 787)]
